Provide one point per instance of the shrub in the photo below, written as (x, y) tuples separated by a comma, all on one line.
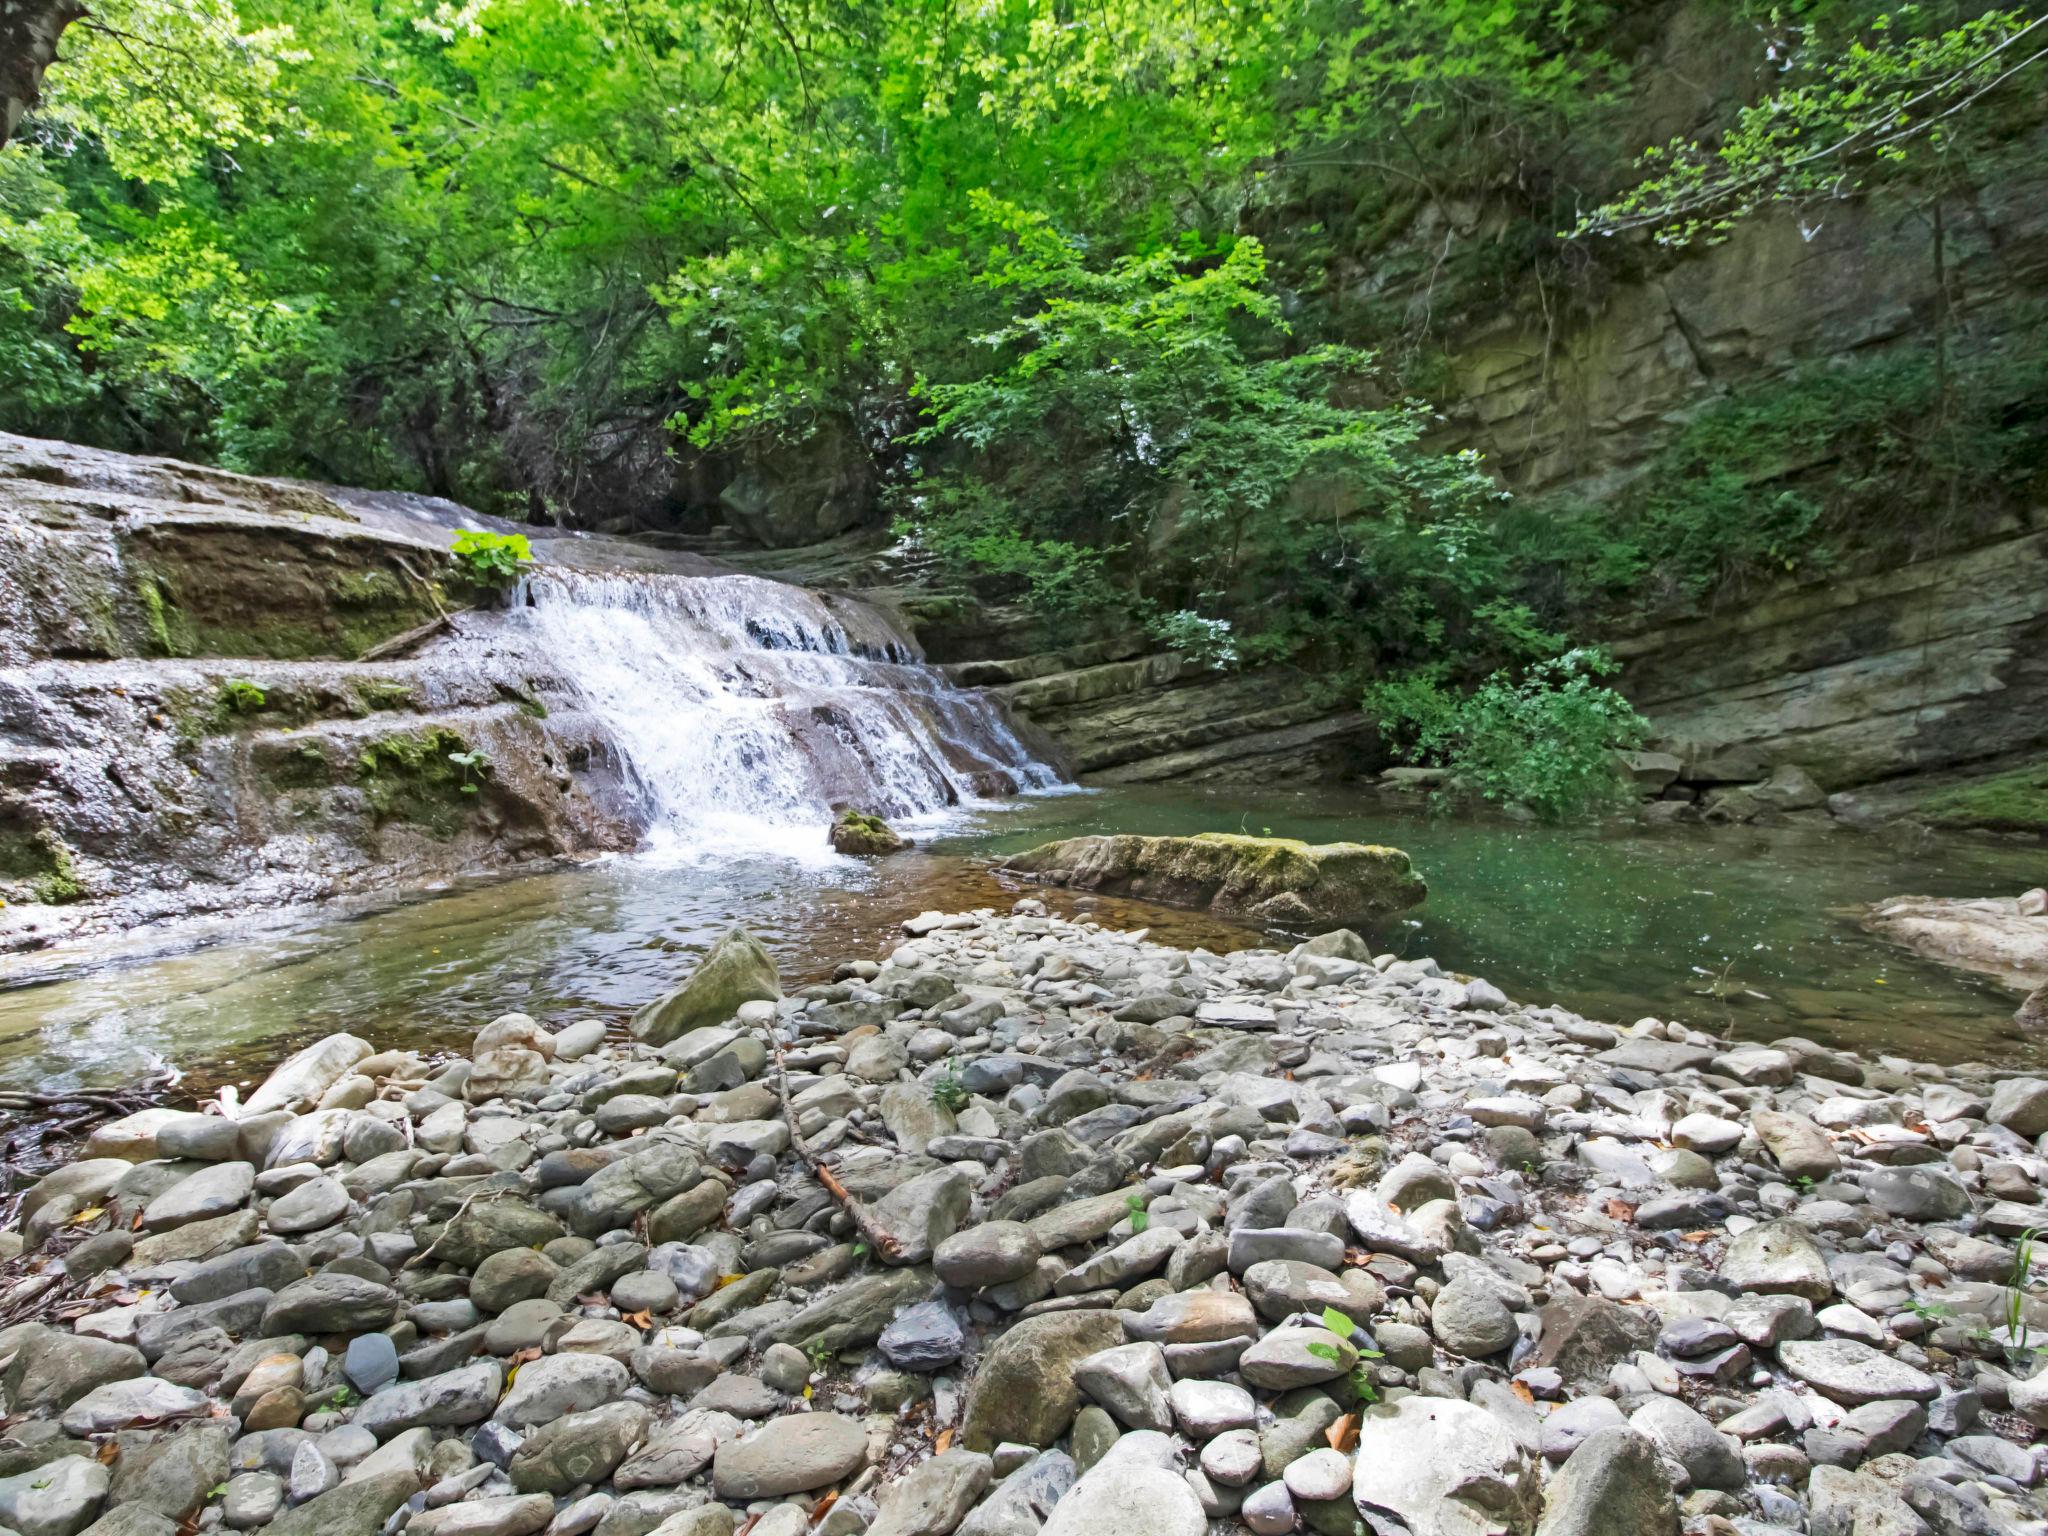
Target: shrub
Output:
[(1546, 740), (495, 559)]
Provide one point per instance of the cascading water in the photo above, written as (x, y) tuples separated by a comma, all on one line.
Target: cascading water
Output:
[(745, 708)]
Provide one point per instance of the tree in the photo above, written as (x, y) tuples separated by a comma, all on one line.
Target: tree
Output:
[(29, 30)]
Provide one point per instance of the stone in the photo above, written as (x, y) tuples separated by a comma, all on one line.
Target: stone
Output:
[(1611, 1485), (1333, 885), (554, 1385), (211, 1192), (1269, 1511), (1584, 1337), (993, 1253), (1118, 1498), (314, 1204), (1442, 1467), (1023, 1390), (926, 1337), (371, 1362), (923, 1212), (1194, 1317), (792, 1454), (1778, 1258), (1131, 1382), (170, 1472), (1320, 1475), (735, 970), (933, 1498), (1470, 1319), (577, 1448), (51, 1370), (2020, 1104), (1853, 1374), (118, 1404), (857, 832), (1917, 1194), (58, 1498), (1844, 1503), (517, 1515), (303, 1079), (1020, 1505), (1710, 1458), (331, 1303), (465, 1395), (1296, 1357)]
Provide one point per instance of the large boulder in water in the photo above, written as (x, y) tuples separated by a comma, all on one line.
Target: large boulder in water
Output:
[(1998, 936), (1275, 880), (857, 832), (737, 969)]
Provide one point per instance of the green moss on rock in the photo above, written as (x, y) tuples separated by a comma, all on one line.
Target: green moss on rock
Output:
[(39, 865), (410, 776), (1278, 881), (2016, 801), (737, 969), (861, 833)]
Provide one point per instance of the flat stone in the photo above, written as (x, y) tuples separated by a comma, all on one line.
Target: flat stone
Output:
[(933, 1498), (314, 1204), (58, 1498), (1853, 1374), (554, 1385), (1442, 1467), (792, 1454), (1778, 1258), (211, 1192)]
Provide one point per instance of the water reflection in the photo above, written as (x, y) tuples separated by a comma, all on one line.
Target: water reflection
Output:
[(1731, 931)]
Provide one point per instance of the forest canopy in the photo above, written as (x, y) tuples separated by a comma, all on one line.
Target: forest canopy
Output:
[(1092, 300)]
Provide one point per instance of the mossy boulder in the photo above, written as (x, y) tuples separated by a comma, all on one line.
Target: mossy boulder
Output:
[(1278, 881), (858, 832), (737, 969)]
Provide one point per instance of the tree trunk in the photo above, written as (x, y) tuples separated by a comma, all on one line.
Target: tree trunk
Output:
[(29, 30)]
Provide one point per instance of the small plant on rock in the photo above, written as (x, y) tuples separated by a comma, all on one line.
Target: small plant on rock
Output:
[(495, 559), (1135, 1204), (239, 696), (1363, 1388), (949, 1093), (469, 762)]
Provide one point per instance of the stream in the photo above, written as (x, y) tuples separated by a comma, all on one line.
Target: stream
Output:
[(1736, 931)]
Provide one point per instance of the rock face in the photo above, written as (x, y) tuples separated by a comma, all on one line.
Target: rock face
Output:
[(1995, 936), (737, 969), (1273, 880)]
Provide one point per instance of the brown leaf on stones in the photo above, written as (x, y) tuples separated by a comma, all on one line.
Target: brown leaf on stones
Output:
[(945, 1439), (1343, 1435), (819, 1509), (1521, 1390), (1619, 1210)]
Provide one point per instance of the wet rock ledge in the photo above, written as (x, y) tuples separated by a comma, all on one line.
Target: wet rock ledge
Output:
[(1075, 1234)]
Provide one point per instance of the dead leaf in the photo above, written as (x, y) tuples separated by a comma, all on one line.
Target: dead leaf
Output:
[(1521, 1390), (945, 1439), (106, 1454), (818, 1510), (1694, 1237), (90, 1213), (641, 1320), (532, 1352), (1619, 1210), (1343, 1434)]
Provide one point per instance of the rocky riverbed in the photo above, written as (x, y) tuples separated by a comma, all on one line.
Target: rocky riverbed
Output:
[(1037, 1226)]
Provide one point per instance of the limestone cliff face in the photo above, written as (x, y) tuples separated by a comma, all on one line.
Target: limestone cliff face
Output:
[(1936, 665), (186, 725)]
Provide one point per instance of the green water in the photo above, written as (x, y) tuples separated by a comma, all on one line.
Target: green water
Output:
[(1726, 930)]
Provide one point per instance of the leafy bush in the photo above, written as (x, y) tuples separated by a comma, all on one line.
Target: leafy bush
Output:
[(494, 559), (1546, 740)]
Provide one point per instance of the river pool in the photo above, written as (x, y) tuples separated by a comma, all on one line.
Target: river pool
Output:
[(1733, 930)]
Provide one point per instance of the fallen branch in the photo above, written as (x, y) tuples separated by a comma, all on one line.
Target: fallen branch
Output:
[(886, 1247), (398, 645)]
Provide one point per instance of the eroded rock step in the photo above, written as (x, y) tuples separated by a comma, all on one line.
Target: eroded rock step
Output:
[(1118, 1239)]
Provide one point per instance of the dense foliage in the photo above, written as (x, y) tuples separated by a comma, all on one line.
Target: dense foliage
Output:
[(1135, 310)]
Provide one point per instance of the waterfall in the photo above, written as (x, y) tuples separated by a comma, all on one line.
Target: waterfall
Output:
[(744, 708)]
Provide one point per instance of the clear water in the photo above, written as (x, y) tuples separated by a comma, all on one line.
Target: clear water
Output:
[(1740, 931)]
